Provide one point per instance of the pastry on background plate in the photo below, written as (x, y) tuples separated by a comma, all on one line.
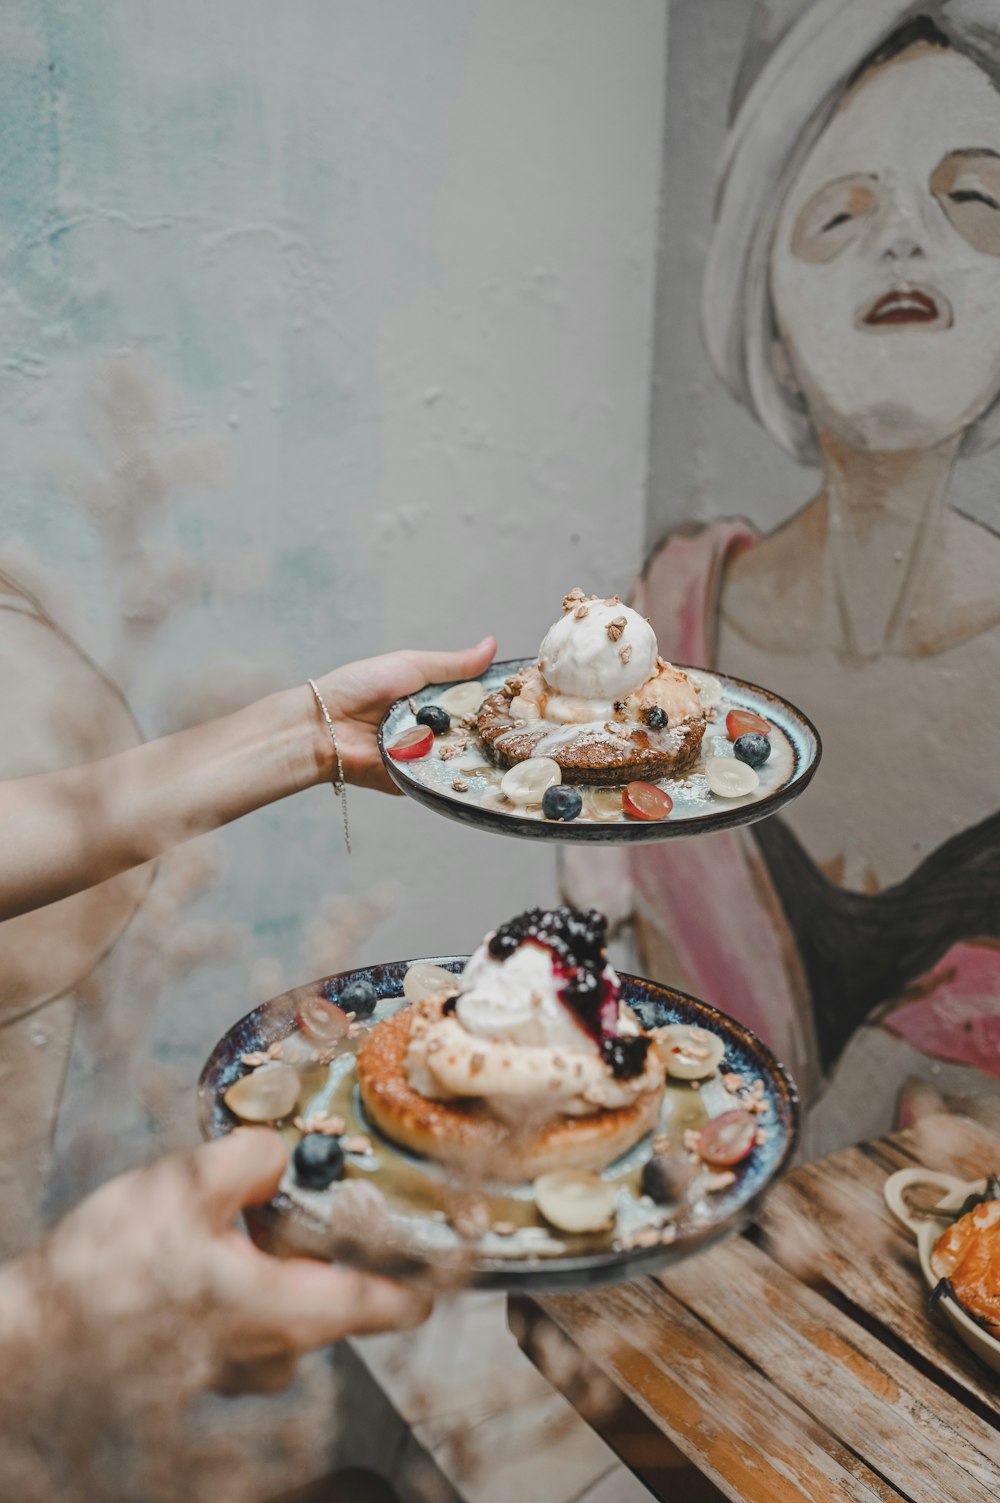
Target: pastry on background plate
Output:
[(600, 701), (967, 1257), (527, 1062)]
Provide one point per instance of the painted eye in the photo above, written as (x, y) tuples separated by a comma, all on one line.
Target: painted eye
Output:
[(966, 184), (833, 218), (972, 196)]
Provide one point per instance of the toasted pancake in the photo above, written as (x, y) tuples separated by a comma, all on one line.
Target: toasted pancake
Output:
[(469, 1138), (616, 753)]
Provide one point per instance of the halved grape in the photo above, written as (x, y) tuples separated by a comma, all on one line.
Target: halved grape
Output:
[(690, 1053), (526, 782), (298, 1051), (729, 778), (603, 804), (575, 1201), (646, 801), (727, 1139), (416, 742), (265, 1095), (321, 1021), (738, 722), (424, 980), (462, 699)]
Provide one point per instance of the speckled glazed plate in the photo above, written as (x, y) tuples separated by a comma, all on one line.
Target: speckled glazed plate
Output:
[(418, 1232), (437, 779)]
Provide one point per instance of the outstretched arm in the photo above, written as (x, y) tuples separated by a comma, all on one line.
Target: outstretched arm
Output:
[(64, 831)]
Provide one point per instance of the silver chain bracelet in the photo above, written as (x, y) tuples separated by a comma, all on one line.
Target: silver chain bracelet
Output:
[(338, 780)]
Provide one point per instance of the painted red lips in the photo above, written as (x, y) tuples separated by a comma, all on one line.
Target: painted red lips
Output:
[(905, 305)]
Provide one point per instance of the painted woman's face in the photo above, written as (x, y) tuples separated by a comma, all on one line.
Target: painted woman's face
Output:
[(885, 271)]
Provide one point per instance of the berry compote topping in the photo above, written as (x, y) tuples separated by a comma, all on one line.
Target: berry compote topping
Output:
[(576, 939)]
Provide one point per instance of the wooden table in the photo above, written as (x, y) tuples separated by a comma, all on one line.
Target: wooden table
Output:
[(795, 1362)]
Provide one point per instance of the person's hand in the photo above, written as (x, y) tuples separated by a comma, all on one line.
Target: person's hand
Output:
[(149, 1279), (359, 694)]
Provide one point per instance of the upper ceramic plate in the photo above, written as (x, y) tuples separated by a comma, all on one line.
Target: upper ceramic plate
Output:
[(795, 754), (534, 1257)]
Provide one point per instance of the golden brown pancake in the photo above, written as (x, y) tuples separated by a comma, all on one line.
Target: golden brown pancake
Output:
[(469, 1138), (621, 753)]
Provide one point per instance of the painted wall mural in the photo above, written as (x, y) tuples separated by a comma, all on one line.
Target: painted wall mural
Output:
[(851, 305)]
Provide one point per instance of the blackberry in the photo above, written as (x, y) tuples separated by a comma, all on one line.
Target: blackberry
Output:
[(576, 939), (626, 1055)]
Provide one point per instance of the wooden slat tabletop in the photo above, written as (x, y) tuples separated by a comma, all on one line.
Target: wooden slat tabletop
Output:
[(799, 1361)]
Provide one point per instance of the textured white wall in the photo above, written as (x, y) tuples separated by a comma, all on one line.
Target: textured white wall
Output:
[(326, 328)]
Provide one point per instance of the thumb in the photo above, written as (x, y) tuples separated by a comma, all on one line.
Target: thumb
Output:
[(467, 662), (311, 1304), (242, 1169)]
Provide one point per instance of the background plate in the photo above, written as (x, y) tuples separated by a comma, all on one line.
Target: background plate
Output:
[(795, 755), (288, 1225)]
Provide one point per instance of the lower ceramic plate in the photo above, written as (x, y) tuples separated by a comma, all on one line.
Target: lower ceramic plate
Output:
[(457, 780), (416, 1191)]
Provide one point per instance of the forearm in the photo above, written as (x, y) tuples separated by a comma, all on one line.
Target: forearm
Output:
[(64, 831), (31, 1393)]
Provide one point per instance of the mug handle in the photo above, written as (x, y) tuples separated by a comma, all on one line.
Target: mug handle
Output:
[(897, 1184)]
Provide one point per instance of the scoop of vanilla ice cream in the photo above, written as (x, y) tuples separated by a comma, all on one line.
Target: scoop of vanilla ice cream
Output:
[(516, 1001), (606, 654)]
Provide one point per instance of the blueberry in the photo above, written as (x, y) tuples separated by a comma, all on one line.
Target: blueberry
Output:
[(318, 1161), (439, 720), (665, 1179), (561, 802), (752, 748), (656, 718), (358, 997)]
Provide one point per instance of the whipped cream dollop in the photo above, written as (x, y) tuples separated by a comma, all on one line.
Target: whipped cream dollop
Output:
[(516, 1001), (598, 650)]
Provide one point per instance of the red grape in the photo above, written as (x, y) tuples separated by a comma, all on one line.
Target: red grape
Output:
[(738, 722), (321, 1021), (413, 743), (646, 801), (727, 1139)]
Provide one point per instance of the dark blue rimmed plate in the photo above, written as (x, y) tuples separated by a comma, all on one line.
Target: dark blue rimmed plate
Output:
[(795, 755), (297, 1223)]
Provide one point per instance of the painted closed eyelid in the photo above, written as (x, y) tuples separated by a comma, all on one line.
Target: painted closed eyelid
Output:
[(832, 218), (966, 185)]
